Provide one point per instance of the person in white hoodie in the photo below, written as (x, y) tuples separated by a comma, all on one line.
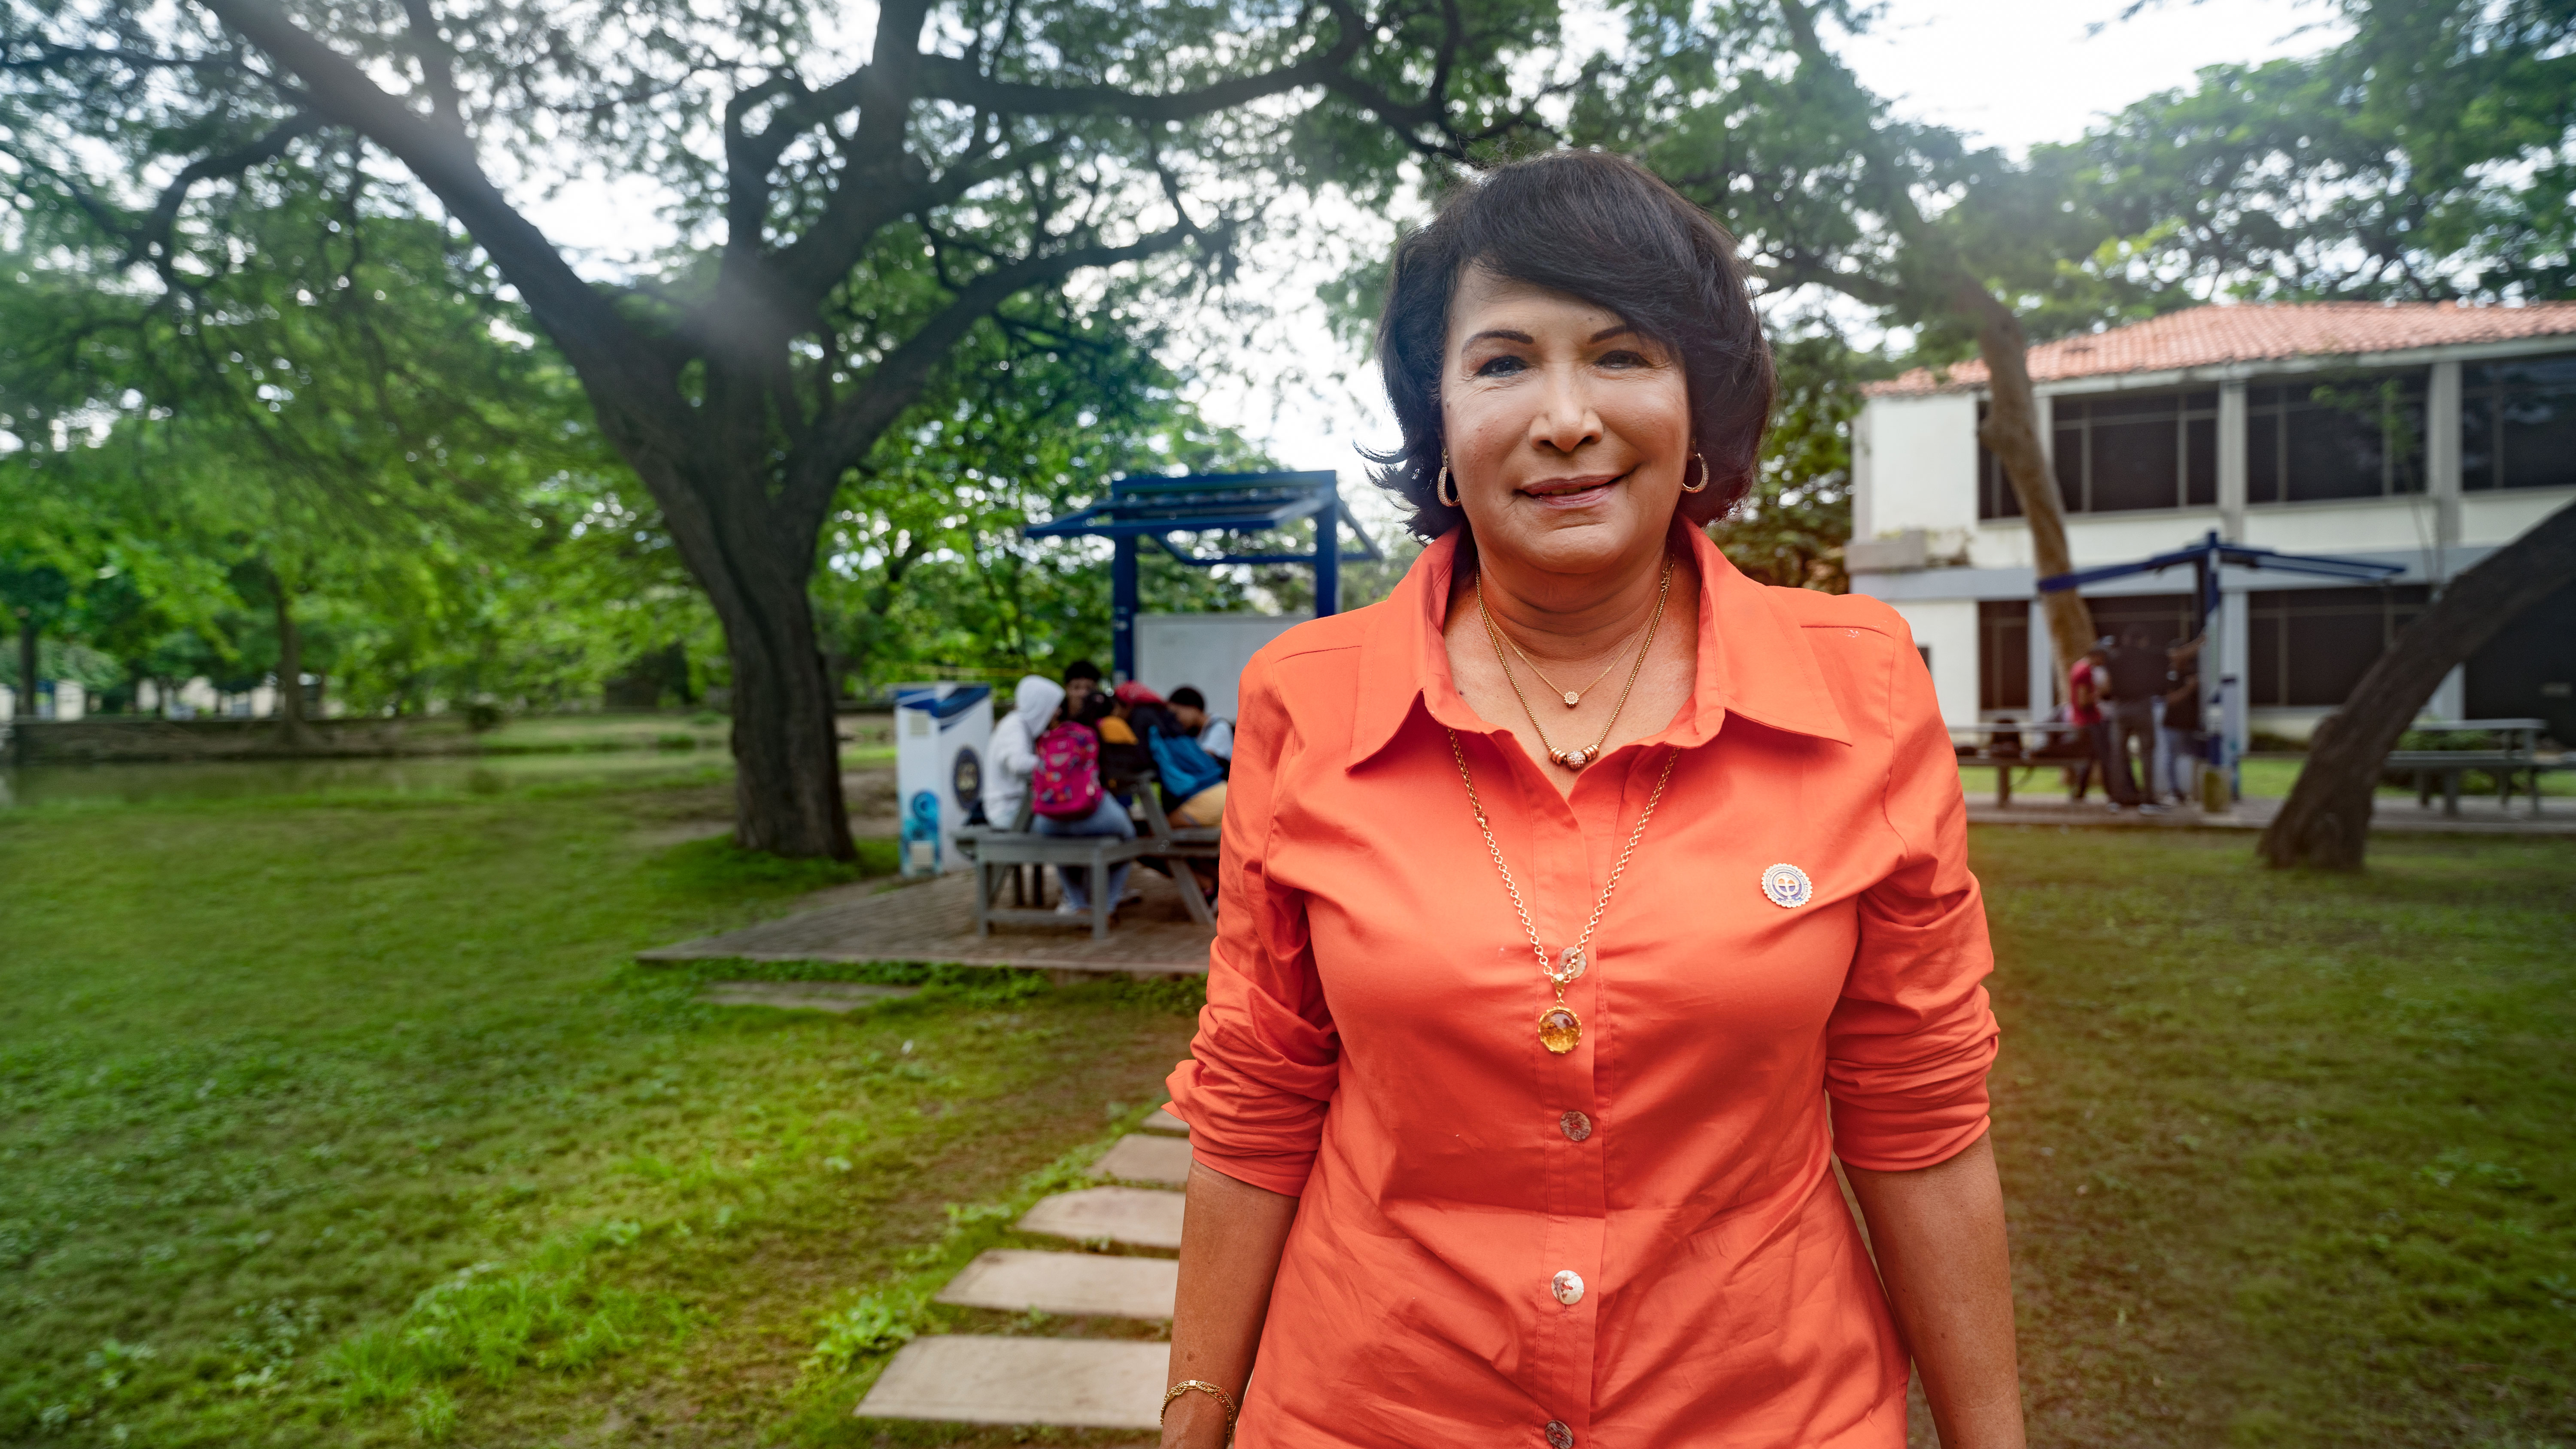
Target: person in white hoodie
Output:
[(1015, 748)]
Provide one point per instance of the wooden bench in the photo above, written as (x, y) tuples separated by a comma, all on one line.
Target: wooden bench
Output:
[(998, 851), (2009, 746), (2518, 757)]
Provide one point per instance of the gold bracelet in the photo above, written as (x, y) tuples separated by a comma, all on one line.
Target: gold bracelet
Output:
[(1199, 1386)]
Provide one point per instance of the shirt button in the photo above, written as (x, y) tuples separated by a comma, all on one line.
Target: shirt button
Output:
[(1567, 1285), (1576, 1125), (1559, 1436)]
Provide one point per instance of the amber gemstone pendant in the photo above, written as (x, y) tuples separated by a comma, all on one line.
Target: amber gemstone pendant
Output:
[(1559, 1029)]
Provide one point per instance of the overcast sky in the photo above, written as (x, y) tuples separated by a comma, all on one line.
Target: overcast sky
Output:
[(2013, 72)]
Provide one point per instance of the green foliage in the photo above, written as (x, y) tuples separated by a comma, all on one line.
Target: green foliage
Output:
[(1792, 528), (923, 564), (344, 419), (2429, 155)]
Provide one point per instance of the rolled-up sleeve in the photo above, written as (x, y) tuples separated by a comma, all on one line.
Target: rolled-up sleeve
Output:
[(1908, 1046), (1266, 1060)]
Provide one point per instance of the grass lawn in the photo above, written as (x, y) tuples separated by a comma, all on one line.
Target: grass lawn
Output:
[(344, 1119)]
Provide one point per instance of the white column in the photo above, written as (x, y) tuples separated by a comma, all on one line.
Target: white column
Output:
[(1865, 472), (2451, 697), (2442, 467), (2231, 461), (2235, 654), (2045, 671), (8, 702), (71, 701)]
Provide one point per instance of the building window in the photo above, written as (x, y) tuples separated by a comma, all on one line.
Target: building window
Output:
[(2518, 423), (2309, 647), (2121, 454), (2003, 655), (2359, 436)]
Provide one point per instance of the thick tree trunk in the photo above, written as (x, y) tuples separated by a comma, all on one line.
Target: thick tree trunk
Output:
[(786, 749), (291, 724), (27, 663), (2326, 821), (2011, 433), (755, 569)]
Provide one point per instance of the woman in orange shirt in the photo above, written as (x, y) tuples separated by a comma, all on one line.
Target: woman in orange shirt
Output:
[(1583, 902)]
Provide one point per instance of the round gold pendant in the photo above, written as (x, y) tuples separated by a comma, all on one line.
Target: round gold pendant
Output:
[(1559, 1029), (1573, 759), (1572, 699)]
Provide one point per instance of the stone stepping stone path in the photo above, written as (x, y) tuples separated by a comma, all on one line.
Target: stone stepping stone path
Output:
[(1138, 1158), (1066, 1283), (801, 995), (1165, 1123), (1132, 1216), (1074, 1383)]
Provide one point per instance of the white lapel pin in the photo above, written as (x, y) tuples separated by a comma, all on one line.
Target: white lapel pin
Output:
[(1787, 886)]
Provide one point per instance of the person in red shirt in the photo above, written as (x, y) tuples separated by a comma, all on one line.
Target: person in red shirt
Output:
[(1584, 903), (2084, 685)]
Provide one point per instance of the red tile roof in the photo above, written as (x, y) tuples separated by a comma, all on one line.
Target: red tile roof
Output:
[(2260, 332)]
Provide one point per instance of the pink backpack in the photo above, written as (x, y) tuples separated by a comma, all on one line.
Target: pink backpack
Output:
[(1066, 783)]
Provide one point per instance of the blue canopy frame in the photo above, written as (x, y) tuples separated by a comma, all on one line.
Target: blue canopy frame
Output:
[(1157, 507), (2206, 558)]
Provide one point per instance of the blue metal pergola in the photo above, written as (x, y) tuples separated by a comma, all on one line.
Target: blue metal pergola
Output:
[(1156, 508), (2205, 559)]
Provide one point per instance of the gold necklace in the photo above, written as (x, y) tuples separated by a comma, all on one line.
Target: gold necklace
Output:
[(1558, 1027), (1572, 697), (1581, 755)]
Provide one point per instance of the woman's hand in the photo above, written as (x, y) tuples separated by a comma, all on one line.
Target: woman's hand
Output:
[(1231, 1236), (1938, 1234)]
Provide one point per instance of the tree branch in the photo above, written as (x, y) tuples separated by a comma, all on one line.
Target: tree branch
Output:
[(838, 442), (437, 65), (152, 240), (950, 78), (634, 379)]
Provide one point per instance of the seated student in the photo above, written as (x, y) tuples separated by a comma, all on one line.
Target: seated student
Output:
[(1193, 782), (1067, 789), (1216, 736), (1124, 759), (1086, 700), (1014, 751)]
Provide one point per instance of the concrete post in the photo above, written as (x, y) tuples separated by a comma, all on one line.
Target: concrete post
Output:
[(2442, 468), (1124, 593), (2231, 462)]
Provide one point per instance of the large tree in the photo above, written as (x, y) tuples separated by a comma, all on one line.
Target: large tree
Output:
[(853, 209), (1744, 107)]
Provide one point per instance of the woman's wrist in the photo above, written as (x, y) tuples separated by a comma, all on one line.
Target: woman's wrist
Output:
[(1195, 1421)]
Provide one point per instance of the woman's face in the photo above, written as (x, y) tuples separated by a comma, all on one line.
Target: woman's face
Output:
[(1568, 430)]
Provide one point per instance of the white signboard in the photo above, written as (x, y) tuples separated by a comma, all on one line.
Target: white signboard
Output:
[(943, 734), (1206, 650)]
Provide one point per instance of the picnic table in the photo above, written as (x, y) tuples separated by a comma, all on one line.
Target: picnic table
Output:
[(2011, 745), (2518, 756), (999, 854)]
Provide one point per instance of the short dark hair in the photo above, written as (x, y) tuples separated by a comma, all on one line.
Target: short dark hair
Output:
[(1187, 697), (1598, 227), (1081, 669)]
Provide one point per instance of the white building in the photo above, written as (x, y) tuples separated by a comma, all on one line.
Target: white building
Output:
[(2425, 435)]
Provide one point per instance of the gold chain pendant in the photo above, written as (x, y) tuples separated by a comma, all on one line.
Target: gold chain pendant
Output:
[(1559, 1028)]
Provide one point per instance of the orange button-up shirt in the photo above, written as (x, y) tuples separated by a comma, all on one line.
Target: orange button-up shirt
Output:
[(1370, 1041)]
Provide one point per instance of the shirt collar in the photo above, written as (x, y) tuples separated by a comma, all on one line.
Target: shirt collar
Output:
[(1754, 660)]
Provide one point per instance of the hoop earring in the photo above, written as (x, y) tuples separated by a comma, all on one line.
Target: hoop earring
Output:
[(1441, 487), (1703, 477)]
